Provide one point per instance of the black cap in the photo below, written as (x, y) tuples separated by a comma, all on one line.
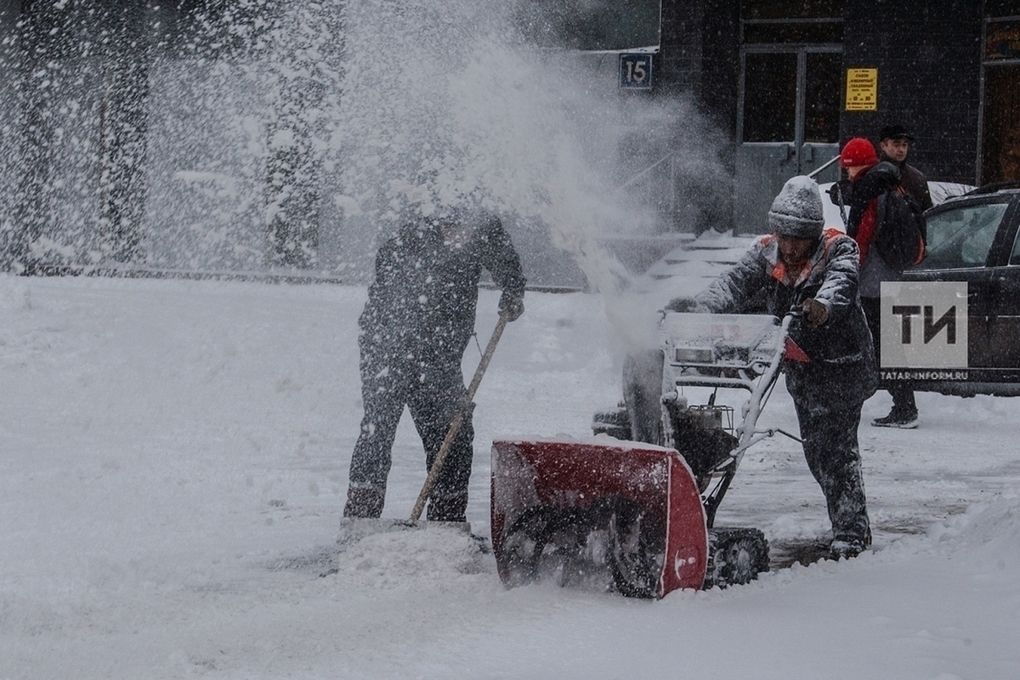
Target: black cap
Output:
[(895, 132)]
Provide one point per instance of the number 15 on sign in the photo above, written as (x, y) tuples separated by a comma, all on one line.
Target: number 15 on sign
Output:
[(636, 71)]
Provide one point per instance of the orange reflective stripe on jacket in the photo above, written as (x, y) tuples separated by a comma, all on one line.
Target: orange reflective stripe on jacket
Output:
[(778, 272)]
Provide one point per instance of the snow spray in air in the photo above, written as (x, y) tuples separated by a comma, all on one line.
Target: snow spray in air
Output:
[(337, 119)]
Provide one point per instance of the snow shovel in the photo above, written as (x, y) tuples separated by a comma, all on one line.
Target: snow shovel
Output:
[(458, 421), (353, 530)]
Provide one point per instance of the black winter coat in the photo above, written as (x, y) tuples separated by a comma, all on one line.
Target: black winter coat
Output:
[(914, 181), (882, 177), (421, 306)]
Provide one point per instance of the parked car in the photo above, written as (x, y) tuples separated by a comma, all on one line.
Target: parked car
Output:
[(974, 239)]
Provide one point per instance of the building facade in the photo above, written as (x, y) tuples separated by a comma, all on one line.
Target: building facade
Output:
[(790, 80)]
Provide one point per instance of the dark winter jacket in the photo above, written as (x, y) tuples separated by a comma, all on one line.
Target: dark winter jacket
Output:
[(914, 182), (421, 306), (841, 349)]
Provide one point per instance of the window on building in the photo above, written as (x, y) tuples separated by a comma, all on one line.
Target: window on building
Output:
[(822, 97), (1000, 127), (1001, 8), (1002, 40), (589, 24), (770, 97)]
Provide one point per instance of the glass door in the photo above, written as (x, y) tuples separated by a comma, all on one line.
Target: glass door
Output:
[(788, 123)]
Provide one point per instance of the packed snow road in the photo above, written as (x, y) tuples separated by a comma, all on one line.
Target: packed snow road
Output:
[(174, 457)]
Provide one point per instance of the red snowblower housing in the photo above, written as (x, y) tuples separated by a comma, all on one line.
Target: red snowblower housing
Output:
[(565, 505)]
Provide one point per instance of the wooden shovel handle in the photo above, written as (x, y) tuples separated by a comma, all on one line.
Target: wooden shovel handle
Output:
[(458, 421)]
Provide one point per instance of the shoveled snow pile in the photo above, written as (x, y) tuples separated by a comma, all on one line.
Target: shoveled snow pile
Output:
[(389, 555), (985, 543)]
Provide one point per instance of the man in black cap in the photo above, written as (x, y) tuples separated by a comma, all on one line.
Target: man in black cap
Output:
[(894, 145)]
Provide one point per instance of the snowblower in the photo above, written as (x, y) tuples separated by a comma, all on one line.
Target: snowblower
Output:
[(638, 517)]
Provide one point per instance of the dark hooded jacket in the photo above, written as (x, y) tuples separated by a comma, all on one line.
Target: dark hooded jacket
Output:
[(865, 220), (421, 306)]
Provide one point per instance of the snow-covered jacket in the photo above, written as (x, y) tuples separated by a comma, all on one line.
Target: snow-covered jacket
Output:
[(829, 276), (421, 305)]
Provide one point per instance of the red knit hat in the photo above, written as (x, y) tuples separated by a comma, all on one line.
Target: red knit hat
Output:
[(858, 151)]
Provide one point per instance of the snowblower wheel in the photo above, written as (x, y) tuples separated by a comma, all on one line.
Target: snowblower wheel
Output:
[(735, 556), (637, 549), (544, 545)]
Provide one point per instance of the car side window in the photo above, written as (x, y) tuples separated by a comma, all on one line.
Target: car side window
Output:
[(962, 237), (1014, 256)]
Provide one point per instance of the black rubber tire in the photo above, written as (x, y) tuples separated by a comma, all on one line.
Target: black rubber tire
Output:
[(735, 556), (523, 547)]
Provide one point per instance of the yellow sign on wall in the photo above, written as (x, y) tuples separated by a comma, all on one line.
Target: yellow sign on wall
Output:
[(862, 89)]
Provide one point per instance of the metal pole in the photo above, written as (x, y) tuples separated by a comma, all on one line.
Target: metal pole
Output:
[(825, 165)]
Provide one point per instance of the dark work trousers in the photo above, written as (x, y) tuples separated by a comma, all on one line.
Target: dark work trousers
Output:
[(828, 425), (433, 395), (901, 392)]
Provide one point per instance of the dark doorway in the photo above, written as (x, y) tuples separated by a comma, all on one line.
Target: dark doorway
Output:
[(789, 122)]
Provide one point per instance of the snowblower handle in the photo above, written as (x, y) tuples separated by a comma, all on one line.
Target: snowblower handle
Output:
[(458, 421)]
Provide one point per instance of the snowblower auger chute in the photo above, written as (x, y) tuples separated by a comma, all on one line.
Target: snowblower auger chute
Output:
[(622, 515)]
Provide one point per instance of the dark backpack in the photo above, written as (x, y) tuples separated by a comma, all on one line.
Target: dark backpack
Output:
[(902, 230)]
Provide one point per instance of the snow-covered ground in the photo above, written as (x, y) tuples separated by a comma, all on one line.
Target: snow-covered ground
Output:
[(174, 457)]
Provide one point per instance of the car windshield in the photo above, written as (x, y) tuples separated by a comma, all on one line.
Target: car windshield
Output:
[(962, 237)]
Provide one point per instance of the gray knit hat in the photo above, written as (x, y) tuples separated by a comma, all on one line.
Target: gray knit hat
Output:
[(797, 210)]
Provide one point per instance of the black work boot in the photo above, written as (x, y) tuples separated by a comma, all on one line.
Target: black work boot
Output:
[(903, 419), (844, 549), (847, 546), (364, 501)]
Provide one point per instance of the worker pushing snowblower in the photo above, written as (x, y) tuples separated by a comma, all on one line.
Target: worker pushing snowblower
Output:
[(644, 513)]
